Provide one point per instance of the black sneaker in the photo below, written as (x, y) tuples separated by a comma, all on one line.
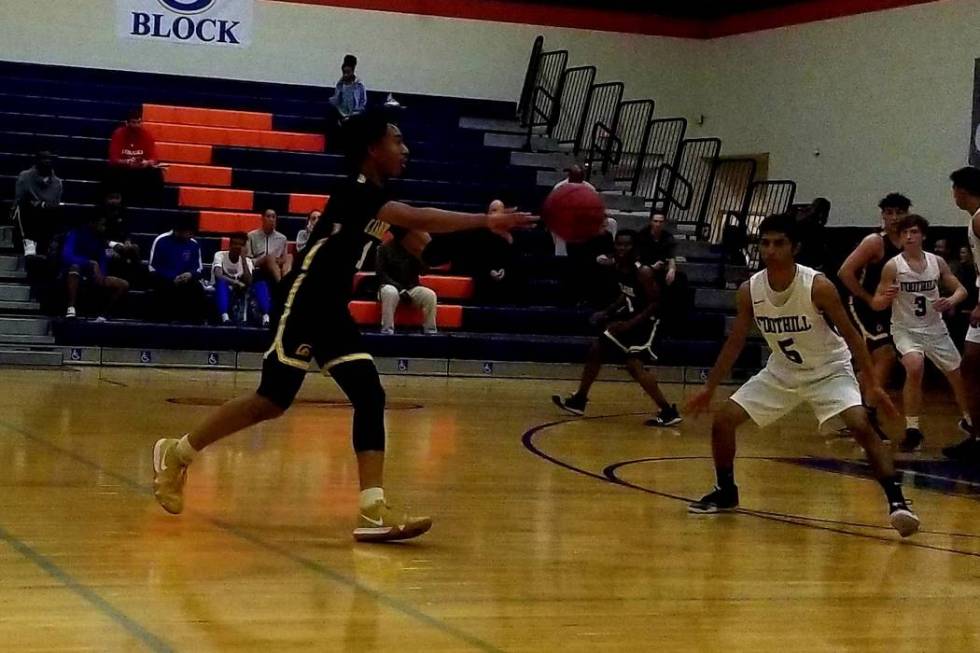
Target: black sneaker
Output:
[(912, 442), (572, 403), (718, 500), (666, 417), (876, 425), (902, 518), (968, 449)]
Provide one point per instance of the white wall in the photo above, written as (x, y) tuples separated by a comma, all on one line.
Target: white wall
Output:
[(304, 44), (886, 98)]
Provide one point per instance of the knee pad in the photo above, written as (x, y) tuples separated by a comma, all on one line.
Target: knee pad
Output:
[(360, 382)]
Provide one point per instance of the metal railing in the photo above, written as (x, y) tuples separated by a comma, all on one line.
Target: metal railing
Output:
[(764, 198), (696, 164), (530, 81), (572, 103), (602, 109), (732, 182), (660, 145)]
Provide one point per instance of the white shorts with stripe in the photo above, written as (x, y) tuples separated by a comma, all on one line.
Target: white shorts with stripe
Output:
[(938, 348)]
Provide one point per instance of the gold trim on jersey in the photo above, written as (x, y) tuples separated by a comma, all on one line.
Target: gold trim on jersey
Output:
[(277, 346), (346, 359)]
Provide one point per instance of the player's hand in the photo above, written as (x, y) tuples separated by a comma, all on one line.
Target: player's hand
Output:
[(616, 328), (504, 221), (942, 305), (603, 259), (670, 276), (876, 397), (975, 317), (700, 401)]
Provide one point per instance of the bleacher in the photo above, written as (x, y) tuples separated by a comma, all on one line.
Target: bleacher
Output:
[(236, 148)]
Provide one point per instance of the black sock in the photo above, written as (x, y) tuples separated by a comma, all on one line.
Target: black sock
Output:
[(726, 477), (892, 486), (578, 396)]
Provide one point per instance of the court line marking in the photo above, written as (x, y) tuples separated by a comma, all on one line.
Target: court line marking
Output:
[(88, 594), (311, 565), (527, 440)]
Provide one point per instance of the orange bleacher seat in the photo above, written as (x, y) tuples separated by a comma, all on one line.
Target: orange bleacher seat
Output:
[(304, 204), (182, 173), (184, 153), (444, 287), (163, 131), (448, 316), (207, 117), (222, 222), (216, 198)]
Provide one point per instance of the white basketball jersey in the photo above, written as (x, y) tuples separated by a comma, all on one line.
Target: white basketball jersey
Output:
[(803, 344), (975, 246), (912, 309)]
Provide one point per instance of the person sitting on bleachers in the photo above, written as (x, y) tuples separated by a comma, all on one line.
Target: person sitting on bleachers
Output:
[(398, 266), (134, 169), (176, 266), (303, 237), (657, 248), (37, 202), (269, 249), (232, 272), (84, 259), (125, 261)]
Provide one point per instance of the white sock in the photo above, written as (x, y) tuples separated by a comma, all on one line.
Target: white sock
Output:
[(185, 451), (371, 496), (911, 422)]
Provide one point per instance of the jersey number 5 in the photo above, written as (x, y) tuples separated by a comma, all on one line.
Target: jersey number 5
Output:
[(792, 354)]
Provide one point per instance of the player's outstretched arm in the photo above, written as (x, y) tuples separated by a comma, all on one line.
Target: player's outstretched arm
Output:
[(440, 221), (729, 352), (887, 288), (952, 285), (827, 301), (870, 249)]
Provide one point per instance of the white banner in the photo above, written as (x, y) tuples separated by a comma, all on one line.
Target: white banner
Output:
[(197, 22)]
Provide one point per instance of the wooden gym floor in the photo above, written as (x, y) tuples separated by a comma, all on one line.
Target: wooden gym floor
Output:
[(551, 534)]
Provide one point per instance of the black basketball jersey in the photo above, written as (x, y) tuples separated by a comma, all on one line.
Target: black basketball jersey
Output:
[(354, 206), (631, 288), (872, 272)]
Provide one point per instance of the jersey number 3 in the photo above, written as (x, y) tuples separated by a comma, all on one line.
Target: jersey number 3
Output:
[(786, 347), (920, 306)]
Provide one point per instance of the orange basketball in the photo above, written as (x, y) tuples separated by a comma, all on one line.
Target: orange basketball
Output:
[(575, 212)]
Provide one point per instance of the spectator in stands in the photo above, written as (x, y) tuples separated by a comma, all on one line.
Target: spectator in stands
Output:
[(134, 170), (656, 247), (125, 261), (966, 272), (349, 99), (941, 249), (176, 266), (813, 245), (232, 272), (303, 237), (84, 260), (37, 202), (398, 266), (269, 249)]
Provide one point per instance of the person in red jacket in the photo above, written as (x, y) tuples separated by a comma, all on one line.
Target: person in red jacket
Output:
[(134, 170)]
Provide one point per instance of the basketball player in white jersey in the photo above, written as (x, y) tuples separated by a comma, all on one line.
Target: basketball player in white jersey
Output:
[(801, 316), (966, 194), (910, 285)]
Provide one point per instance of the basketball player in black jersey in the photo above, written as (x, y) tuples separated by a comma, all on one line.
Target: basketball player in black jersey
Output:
[(860, 274), (315, 324), (630, 327)]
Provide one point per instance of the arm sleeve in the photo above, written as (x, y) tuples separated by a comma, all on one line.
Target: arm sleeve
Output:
[(197, 272), (160, 262), (360, 98), (20, 189)]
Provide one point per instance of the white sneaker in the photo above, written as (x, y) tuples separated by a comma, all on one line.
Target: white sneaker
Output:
[(225, 318), (169, 476), (431, 331), (70, 312), (265, 320), (387, 331), (101, 319), (30, 247)]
